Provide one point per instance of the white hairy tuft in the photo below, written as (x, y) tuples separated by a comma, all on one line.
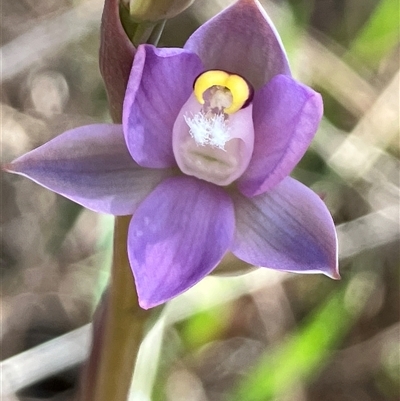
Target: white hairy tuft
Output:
[(212, 131)]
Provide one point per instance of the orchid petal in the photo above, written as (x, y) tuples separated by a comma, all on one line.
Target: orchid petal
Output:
[(91, 166), (288, 228), (177, 236), (286, 116), (116, 56), (241, 39), (161, 81)]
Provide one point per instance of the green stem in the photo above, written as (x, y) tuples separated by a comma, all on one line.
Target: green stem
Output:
[(156, 34), (141, 31), (118, 334)]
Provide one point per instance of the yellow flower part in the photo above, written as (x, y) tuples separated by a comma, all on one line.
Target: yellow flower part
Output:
[(238, 87)]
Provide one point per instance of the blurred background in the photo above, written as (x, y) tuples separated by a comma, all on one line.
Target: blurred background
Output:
[(259, 337)]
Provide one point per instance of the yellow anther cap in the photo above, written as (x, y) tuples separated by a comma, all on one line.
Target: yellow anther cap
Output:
[(240, 89)]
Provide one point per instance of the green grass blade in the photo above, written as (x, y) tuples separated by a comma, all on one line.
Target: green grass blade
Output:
[(303, 354), (379, 34)]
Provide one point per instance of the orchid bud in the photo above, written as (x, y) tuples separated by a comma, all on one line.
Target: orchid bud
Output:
[(155, 10)]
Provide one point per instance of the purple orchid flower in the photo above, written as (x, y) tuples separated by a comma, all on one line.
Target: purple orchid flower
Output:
[(210, 134)]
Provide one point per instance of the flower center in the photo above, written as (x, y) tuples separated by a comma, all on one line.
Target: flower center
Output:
[(213, 135), (222, 90)]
